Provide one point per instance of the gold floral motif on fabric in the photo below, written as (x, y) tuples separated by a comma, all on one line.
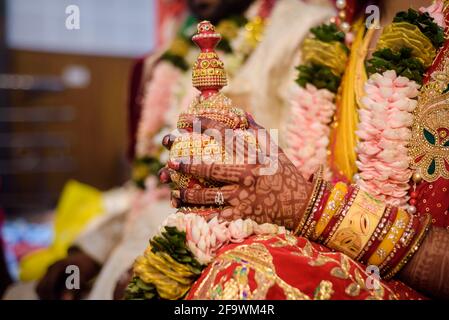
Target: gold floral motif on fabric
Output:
[(429, 145), (255, 259)]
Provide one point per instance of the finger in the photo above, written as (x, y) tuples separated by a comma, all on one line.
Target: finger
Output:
[(230, 213), (50, 287), (225, 173), (175, 202), (209, 126), (207, 196), (164, 175), (68, 295), (252, 123), (167, 141)]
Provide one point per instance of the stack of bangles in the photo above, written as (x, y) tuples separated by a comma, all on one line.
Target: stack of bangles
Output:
[(349, 220)]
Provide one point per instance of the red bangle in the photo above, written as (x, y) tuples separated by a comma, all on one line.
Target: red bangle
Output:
[(316, 214)]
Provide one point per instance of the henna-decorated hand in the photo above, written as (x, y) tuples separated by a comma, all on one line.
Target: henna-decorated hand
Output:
[(250, 190)]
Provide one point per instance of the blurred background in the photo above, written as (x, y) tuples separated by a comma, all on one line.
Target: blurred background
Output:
[(63, 104)]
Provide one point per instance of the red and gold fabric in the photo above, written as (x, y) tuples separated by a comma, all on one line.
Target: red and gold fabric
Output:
[(430, 146), (289, 267)]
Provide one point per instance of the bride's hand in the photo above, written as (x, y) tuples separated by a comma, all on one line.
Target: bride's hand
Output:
[(271, 191)]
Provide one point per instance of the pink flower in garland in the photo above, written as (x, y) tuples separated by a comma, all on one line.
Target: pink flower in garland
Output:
[(158, 96), (436, 12), (308, 132), (384, 132)]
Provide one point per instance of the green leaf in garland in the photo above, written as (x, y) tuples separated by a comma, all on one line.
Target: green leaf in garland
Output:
[(139, 290), (328, 33), (446, 144), (402, 62), (429, 136), (173, 242), (320, 76), (425, 23)]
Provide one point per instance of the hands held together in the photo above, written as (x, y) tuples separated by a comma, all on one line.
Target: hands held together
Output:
[(249, 189)]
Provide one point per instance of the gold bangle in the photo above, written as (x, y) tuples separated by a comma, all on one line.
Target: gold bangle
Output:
[(403, 242), (341, 214), (317, 181), (332, 205), (413, 248), (381, 230), (358, 225), (394, 234)]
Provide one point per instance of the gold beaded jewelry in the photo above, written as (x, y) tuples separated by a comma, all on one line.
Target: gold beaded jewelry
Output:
[(309, 226), (332, 205), (381, 229), (392, 237), (317, 182), (341, 214), (358, 225), (413, 248)]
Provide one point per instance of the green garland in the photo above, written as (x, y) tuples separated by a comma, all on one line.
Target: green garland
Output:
[(320, 76), (425, 24), (173, 242), (328, 33), (176, 60), (139, 290), (402, 62)]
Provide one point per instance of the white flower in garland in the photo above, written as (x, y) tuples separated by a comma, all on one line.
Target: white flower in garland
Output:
[(384, 132), (205, 238), (308, 131)]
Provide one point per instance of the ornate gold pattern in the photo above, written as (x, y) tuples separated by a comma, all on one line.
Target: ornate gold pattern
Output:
[(256, 259), (357, 227), (429, 145)]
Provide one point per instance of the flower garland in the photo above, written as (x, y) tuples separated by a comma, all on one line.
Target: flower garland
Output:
[(185, 245), (313, 109), (397, 70), (312, 103), (158, 95), (384, 132)]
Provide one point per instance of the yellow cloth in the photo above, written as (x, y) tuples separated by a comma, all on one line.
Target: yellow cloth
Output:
[(343, 138), (78, 204)]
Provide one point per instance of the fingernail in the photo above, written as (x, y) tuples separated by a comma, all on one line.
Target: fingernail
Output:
[(167, 141), (164, 176), (173, 164), (175, 203)]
